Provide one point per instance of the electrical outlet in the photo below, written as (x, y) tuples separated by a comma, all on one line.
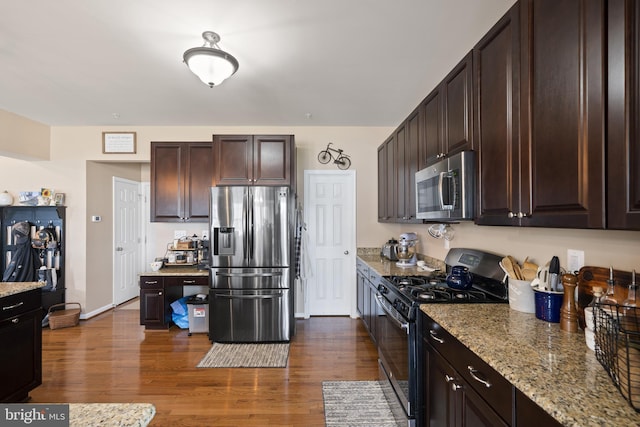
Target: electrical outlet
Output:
[(575, 260), (179, 233), (205, 234)]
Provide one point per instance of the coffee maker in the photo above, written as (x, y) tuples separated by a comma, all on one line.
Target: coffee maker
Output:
[(407, 250)]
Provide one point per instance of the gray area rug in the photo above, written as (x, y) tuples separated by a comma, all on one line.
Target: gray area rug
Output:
[(246, 356), (356, 403)]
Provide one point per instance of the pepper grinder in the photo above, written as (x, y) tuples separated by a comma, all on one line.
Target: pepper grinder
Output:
[(568, 311)]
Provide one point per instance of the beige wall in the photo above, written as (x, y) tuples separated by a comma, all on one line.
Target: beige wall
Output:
[(74, 170), (99, 235), (23, 138)]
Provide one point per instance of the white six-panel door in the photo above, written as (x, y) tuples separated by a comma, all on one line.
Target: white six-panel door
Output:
[(127, 241), (329, 213)]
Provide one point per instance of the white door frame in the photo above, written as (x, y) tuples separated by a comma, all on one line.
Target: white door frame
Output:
[(352, 248)]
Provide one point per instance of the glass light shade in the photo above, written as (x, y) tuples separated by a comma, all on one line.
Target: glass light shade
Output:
[(212, 66)]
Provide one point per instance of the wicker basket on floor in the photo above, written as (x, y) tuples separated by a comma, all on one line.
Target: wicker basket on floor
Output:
[(64, 318)]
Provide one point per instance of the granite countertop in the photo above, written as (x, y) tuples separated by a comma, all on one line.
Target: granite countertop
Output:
[(553, 368), (177, 271), (12, 288), (110, 414), (384, 267)]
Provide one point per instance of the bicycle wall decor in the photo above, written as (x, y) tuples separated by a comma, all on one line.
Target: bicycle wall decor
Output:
[(337, 155)]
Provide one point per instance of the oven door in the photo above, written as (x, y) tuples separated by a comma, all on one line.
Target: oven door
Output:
[(396, 350)]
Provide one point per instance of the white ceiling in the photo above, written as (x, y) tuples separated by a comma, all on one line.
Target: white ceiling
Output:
[(346, 62)]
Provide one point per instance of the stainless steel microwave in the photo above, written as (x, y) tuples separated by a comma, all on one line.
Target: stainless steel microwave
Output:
[(445, 190)]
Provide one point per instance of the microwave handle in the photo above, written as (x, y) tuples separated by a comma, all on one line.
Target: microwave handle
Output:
[(449, 204)]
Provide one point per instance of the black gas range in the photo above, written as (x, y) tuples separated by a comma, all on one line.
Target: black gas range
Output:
[(409, 291), (399, 298)]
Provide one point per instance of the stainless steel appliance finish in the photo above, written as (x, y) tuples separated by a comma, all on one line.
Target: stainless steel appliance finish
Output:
[(251, 294), (445, 190), (399, 298)]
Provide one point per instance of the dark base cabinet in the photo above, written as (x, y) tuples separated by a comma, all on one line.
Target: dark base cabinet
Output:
[(156, 295), (453, 390), (21, 355)]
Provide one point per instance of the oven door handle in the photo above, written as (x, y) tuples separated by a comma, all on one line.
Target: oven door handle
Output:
[(392, 313)]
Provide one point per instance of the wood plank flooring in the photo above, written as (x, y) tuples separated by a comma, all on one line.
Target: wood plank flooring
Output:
[(110, 358)]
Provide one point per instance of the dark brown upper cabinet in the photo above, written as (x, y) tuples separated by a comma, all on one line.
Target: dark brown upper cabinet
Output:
[(623, 133), (448, 119), (387, 194), (541, 132), (181, 175), (497, 100), (254, 160), (562, 113)]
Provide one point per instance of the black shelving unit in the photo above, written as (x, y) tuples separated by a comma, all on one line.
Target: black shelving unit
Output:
[(53, 256)]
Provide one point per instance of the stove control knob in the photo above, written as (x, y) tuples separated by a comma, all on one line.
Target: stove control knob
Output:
[(382, 289)]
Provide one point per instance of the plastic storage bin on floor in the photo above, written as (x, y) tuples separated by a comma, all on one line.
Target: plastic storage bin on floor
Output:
[(198, 315)]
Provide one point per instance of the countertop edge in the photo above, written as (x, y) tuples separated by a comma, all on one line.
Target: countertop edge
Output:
[(13, 288)]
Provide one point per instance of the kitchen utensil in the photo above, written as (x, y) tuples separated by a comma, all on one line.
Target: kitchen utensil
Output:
[(568, 311), (542, 279), (554, 272), (459, 278), (507, 266)]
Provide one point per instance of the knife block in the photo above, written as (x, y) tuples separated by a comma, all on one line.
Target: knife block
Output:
[(569, 311)]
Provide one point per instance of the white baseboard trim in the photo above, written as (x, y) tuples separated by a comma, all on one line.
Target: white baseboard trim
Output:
[(299, 316), (89, 315)]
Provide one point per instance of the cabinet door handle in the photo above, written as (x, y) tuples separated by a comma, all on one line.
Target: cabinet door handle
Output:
[(16, 320), (11, 307), (186, 282), (160, 293), (454, 386), (473, 373), (435, 337), (154, 282)]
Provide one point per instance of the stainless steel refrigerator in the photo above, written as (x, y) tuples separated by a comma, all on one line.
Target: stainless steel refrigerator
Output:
[(250, 296)]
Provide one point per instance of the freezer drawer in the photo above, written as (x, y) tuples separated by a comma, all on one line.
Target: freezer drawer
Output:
[(249, 315)]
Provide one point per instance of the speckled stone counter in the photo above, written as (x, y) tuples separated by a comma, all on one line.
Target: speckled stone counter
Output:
[(553, 368), (384, 267), (110, 414), (176, 271), (12, 288)]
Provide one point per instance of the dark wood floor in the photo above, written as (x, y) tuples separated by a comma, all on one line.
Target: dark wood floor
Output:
[(110, 358)]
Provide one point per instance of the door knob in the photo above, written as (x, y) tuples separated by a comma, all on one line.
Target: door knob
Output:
[(119, 249), (346, 252)]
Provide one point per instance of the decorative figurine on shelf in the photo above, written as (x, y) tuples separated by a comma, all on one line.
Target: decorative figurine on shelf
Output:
[(342, 160)]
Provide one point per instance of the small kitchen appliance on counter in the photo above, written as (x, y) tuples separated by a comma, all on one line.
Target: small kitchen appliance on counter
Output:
[(407, 250), (390, 250)]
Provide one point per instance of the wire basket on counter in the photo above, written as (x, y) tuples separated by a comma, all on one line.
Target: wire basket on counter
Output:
[(617, 336)]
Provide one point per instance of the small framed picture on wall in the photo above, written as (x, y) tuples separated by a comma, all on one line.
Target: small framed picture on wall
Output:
[(59, 199)]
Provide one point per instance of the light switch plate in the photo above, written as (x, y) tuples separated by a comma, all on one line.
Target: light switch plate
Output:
[(575, 260)]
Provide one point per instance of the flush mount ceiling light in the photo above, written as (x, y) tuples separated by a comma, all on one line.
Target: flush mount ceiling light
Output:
[(211, 64)]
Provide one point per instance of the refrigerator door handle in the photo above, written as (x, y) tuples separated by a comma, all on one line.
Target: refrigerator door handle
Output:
[(251, 226), (270, 296), (277, 273), (245, 225)]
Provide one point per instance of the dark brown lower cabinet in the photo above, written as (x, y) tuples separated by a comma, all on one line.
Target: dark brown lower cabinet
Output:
[(158, 292), (457, 388), (451, 400), (21, 355)]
